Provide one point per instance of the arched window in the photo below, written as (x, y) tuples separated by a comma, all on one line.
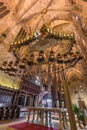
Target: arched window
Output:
[(4, 13), (1, 3), (3, 10), (21, 34)]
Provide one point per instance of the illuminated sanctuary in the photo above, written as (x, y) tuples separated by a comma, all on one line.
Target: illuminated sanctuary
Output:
[(43, 64)]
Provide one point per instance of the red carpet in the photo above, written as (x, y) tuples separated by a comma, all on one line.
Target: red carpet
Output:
[(27, 126)]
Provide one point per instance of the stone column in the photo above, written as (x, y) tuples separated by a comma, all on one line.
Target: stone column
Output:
[(14, 99), (59, 89), (68, 102), (34, 98), (79, 31), (49, 78), (54, 88), (25, 100), (81, 39), (37, 101)]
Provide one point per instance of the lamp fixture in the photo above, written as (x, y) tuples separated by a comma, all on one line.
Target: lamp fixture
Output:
[(45, 32)]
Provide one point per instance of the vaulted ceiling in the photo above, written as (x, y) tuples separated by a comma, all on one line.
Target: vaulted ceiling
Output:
[(21, 24)]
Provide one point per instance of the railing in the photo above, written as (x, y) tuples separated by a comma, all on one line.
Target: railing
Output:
[(44, 116)]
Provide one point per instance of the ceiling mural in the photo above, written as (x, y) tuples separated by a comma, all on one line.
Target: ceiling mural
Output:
[(35, 34)]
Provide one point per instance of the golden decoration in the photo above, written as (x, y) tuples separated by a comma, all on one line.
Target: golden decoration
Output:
[(45, 29)]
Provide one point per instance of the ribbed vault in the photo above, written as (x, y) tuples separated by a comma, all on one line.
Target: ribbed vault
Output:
[(26, 18)]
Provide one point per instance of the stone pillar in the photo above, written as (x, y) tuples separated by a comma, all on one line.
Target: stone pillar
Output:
[(68, 102), (49, 78), (54, 88), (34, 97), (79, 34), (14, 99), (37, 101), (25, 100), (59, 89)]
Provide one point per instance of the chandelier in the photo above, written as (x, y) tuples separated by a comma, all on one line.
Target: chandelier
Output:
[(69, 60), (45, 32), (19, 67)]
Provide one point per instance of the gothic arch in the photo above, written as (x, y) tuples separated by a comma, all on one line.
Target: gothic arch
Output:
[(74, 74)]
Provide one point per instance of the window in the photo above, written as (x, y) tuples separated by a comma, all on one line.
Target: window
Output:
[(3, 10)]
